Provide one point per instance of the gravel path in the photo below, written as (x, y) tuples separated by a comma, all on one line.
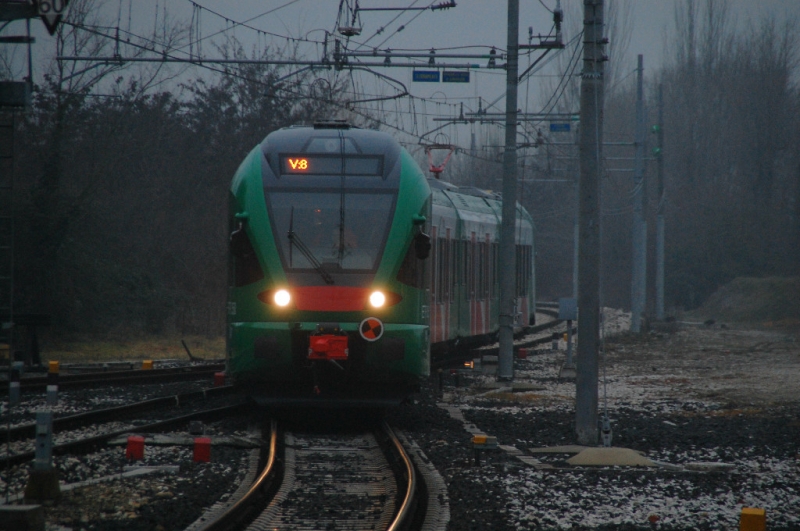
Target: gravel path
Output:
[(718, 408)]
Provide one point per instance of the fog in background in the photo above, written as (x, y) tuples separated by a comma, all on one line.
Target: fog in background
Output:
[(123, 168)]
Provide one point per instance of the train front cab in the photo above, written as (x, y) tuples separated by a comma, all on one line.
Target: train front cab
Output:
[(303, 328)]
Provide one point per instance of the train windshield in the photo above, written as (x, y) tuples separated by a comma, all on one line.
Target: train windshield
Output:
[(308, 228)]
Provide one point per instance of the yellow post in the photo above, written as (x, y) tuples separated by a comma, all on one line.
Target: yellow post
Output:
[(52, 367), (753, 519), (147, 365)]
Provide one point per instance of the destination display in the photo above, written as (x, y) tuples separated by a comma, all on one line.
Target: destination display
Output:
[(331, 165)]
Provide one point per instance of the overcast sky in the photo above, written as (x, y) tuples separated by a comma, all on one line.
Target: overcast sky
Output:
[(471, 27)]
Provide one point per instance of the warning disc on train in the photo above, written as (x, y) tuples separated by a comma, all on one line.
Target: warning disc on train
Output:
[(371, 329)]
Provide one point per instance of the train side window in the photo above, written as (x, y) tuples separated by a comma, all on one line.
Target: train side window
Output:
[(518, 270), (486, 252), (480, 276), (478, 271), (486, 267), (456, 266), (466, 270), (471, 268), (493, 285), (440, 262), (446, 267), (453, 268), (434, 265), (489, 268), (463, 274)]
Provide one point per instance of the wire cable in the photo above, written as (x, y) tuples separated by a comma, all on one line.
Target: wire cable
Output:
[(401, 28), (382, 28), (234, 24), (544, 6)]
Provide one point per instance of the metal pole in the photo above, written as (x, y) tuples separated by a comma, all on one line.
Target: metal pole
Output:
[(639, 235), (661, 205), (575, 248), (505, 367), (575, 228), (591, 142)]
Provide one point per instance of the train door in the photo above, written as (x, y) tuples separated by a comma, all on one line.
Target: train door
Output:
[(435, 258), (524, 285), (472, 281), (447, 276)]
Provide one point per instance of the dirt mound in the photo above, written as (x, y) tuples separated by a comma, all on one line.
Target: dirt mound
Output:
[(771, 300)]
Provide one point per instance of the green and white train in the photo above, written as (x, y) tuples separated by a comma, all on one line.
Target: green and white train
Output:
[(349, 268)]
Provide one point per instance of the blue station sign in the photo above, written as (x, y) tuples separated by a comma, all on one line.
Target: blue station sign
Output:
[(560, 127), (426, 76), (457, 76)]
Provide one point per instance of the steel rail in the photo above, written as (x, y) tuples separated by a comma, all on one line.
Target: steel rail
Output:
[(535, 330), (106, 378), (253, 501), (88, 444), (457, 358), (406, 510), (245, 510), (112, 413)]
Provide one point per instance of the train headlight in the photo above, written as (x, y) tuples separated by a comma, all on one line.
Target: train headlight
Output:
[(377, 299), (282, 297)]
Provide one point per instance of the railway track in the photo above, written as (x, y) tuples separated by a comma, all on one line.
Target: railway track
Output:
[(88, 418), (530, 336), (92, 379), (81, 444), (353, 480)]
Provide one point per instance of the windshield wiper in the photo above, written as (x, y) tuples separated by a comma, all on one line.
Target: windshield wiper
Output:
[(294, 239)]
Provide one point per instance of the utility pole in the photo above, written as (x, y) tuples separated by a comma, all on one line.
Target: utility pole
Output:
[(507, 252), (639, 230), (591, 143), (658, 152), (576, 223)]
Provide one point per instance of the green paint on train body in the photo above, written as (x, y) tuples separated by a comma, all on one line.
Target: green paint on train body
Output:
[(268, 345), (405, 323), (474, 217)]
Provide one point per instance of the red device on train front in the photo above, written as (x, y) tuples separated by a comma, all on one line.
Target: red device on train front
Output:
[(327, 347)]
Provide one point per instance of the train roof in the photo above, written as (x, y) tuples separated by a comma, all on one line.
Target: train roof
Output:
[(312, 139), (465, 197), (437, 184)]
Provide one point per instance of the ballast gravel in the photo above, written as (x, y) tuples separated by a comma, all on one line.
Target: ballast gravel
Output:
[(76, 401), (100, 492), (717, 409)]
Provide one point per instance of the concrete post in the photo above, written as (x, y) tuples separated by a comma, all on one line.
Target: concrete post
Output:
[(639, 234), (507, 258), (591, 144), (43, 479)]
